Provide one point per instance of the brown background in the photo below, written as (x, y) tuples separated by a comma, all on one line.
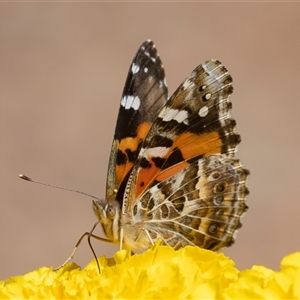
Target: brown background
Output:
[(63, 67)]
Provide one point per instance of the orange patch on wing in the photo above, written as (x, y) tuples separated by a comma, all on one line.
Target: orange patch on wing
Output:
[(145, 176), (165, 174), (122, 171), (143, 130), (192, 145), (130, 143)]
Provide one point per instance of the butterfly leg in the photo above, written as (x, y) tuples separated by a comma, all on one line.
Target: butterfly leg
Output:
[(89, 234), (149, 237), (121, 238)]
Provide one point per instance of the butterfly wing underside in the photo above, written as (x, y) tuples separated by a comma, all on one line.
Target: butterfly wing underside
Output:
[(144, 94), (186, 186)]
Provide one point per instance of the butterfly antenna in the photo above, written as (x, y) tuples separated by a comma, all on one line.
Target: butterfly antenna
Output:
[(56, 186)]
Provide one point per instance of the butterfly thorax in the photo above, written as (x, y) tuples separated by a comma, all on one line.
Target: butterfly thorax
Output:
[(108, 213)]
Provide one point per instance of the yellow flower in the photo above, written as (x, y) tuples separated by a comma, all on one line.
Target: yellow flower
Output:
[(260, 282), (159, 273)]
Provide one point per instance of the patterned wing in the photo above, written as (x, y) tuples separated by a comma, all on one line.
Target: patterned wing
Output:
[(186, 187), (200, 205), (194, 123), (144, 95)]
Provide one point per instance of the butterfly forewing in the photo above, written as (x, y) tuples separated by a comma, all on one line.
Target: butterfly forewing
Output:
[(144, 94), (195, 122)]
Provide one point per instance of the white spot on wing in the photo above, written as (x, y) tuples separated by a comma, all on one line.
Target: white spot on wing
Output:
[(130, 102), (207, 96), (136, 103), (169, 113), (146, 70), (203, 111), (135, 68), (175, 114), (181, 116), (189, 82), (186, 84), (123, 101), (155, 152)]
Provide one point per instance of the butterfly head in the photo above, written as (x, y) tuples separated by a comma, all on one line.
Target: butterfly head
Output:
[(108, 214)]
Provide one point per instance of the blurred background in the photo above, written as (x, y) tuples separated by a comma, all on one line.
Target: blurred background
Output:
[(62, 71)]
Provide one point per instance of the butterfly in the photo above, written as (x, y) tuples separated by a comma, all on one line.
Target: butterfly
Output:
[(172, 173)]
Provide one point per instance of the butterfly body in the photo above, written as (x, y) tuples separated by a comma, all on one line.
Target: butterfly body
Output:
[(173, 175)]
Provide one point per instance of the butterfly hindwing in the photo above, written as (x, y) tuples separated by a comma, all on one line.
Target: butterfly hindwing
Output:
[(200, 205), (144, 94)]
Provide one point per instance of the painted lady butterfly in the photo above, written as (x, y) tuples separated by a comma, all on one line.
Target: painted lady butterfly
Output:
[(172, 171)]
